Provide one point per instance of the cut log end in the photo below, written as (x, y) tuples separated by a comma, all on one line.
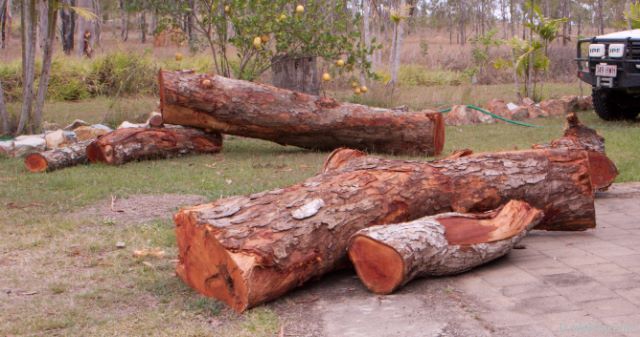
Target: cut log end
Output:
[(602, 170), (379, 266), (208, 267), (35, 162)]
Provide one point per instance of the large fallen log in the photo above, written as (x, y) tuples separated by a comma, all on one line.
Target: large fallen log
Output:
[(387, 257), (290, 118), (577, 136), (128, 144), (246, 250), (71, 155)]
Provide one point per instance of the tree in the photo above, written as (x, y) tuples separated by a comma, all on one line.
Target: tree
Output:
[(28, 34), (68, 26), (47, 55), (397, 16), (4, 114)]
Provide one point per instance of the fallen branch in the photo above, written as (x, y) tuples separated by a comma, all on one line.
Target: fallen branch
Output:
[(74, 154)]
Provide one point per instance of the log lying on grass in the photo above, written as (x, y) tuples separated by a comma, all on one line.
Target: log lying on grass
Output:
[(290, 118), (577, 136), (128, 144), (387, 257), (246, 250), (71, 155)]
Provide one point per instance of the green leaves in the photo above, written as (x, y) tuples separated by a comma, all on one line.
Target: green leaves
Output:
[(633, 15)]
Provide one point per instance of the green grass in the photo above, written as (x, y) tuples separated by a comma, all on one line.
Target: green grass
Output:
[(85, 286)]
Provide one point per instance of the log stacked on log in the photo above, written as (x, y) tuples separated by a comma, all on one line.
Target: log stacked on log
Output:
[(74, 154), (250, 249), (128, 144), (387, 257), (290, 118), (580, 137)]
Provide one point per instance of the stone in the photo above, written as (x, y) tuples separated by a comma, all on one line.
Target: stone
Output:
[(59, 138), (75, 124), (499, 107), (555, 107), (127, 124), (535, 111), (462, 115), (89, 132), (584, 103)]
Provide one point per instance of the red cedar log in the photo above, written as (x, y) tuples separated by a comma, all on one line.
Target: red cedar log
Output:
[(74, 154), (389, 256), (580, 137), (128, 144), (291, 118), (246, 250)]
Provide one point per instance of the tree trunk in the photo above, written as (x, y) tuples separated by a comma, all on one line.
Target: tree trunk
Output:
[(143, 27), (366, 35), (97, 24), (43, 84), (579, 137), (290, 118), (248, 250), (125, 145), (3, 23), (86, 30), (296, 73), (28, 28), (51, 160), (389, 256), (68, 20), (396, 47), (42, 24), (4, 114), (124, 17)]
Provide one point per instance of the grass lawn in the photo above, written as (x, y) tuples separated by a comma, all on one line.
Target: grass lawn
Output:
[(60, 273)]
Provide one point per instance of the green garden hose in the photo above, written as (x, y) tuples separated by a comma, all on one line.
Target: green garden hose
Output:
[(477, 108)]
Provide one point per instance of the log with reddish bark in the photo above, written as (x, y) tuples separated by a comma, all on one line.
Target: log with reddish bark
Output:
[(387, 257), (577, 136), (74, 154), (128, 144), (246, 250), (290, 118)]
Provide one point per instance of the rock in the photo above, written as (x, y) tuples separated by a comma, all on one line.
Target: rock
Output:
[(461, 115), (555, 107), (535, 111), (120, 245), (76, 124), (571, 102), (499, 107), (585, 103), (126, 125), (89, 132), (24, 145), (528, 101), (520, 113), (59, 138), (102, 127)]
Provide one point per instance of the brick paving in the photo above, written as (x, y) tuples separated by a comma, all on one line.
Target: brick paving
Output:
[(568, 284)]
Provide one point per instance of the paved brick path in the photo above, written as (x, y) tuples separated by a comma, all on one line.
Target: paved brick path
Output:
[(562, 284), (568, 284)]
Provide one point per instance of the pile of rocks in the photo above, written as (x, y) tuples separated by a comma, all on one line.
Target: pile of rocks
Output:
[(462, 115)]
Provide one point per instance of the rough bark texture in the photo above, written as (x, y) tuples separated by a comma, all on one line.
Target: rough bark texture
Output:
[(580, 137), (387, 257), (247, 250), (47, 55), (291, 118), (55, 159), (125, 145), (68, 26)]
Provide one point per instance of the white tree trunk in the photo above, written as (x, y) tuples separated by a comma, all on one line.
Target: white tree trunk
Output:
[(42, 24), (50, 34), (28, 24), (396, 48), (366, 33), (85, 45)]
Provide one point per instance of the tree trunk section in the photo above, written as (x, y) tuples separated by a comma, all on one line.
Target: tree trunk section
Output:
[(28, 28), (4, 113), (577, 136), (129, 144), (247, 250), (389, 256), (43, 83), (75, 154), (68, 26), (296, 73), (290, 118)]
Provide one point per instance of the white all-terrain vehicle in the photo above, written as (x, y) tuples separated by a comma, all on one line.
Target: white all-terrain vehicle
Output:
[(611, 64)]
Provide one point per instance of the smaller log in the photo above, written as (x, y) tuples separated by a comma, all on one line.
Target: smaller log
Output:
[(125, 145), (577, 136), (388, 256), (74, 154)]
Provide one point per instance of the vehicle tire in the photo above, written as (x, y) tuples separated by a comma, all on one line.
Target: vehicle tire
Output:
[(614, 105), (604, 105)]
